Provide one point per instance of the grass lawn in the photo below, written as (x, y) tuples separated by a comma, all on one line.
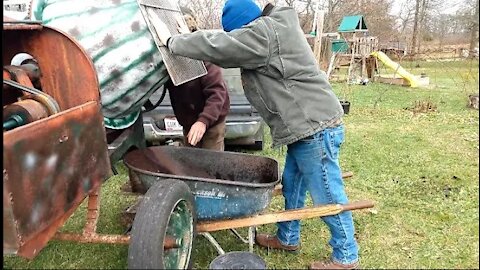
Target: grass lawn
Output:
[(421, 169)]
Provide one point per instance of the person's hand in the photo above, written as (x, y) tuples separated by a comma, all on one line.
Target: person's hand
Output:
[(182, 26), (196, 133), (160, 27)]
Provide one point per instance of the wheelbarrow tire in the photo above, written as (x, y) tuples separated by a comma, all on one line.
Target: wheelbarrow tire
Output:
[(166, 209)]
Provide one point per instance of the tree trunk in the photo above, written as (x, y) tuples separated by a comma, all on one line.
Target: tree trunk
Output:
[(329, 17), (474, 32), (421, 24), (415, 27)]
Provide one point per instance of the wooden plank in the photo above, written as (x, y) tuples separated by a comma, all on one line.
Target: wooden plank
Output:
[(353, 52), (286, 215), (390, 80), (331, 65)]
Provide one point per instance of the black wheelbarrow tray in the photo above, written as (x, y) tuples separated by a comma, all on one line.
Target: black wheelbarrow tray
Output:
[(225, 185)]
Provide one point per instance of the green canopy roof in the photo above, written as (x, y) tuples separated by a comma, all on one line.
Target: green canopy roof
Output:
[(352, 24)]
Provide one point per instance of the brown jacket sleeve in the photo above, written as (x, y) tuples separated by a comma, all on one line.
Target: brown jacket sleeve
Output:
[(215, 93)]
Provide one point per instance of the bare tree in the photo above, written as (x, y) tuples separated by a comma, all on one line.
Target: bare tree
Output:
[(306, 11), (474, 30), (421, 22), (424, 13), (416, 19), (455, 28), (442, 26), (332, 17), (208, 12), (376, 13), (406, 15)]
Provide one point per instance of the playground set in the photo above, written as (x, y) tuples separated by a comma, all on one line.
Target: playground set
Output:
[(352, 55)]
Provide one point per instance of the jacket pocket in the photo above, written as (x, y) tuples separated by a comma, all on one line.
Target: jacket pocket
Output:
[(267, 110)]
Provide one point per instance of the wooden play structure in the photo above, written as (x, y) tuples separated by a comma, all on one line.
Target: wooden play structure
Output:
[(350, 49), (351, 55)]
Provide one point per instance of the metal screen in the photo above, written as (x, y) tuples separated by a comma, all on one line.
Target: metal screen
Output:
[(180, 69)]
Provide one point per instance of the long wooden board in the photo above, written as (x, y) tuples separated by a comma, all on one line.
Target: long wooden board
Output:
[(286, 215)]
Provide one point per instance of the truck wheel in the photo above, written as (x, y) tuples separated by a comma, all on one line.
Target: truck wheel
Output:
[(163, 228)]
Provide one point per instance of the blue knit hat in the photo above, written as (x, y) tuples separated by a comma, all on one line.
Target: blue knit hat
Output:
[(237, 13)]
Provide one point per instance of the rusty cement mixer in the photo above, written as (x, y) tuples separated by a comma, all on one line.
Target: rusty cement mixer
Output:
[(57, 153), (54, 144)]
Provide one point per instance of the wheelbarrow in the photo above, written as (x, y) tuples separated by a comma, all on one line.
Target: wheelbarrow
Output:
[(231, 190)]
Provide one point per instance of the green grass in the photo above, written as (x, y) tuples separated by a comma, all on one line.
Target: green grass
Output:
[(420, 169)]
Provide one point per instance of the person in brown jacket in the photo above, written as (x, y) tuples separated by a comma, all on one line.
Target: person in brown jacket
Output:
[(201, 105)]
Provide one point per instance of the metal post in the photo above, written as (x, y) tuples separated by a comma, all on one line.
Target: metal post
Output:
[(252, 231)]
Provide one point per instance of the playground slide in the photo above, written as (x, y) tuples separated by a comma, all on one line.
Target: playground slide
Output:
[(396, 67)]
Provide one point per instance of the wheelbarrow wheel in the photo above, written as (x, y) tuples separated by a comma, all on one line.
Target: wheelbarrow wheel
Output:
[(163, 228)]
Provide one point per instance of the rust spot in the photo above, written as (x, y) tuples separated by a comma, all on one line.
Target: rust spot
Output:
[(108, 40), (135, 26), (74, 32)]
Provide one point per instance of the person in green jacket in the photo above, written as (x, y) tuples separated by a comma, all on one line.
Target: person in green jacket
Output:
[(282, 80)]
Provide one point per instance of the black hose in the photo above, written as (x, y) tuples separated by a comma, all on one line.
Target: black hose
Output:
[(148, 104)]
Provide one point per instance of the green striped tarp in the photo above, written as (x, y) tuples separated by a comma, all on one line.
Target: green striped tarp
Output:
[(114, 34)]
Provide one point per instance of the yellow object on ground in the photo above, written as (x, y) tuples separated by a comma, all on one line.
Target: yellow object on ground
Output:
[(397, 68)]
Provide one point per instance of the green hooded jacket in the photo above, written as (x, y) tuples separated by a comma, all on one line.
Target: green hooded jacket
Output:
[(280, 75)]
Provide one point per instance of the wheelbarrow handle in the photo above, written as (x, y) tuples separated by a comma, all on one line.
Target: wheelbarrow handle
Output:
[(358, 205), (286, 215)]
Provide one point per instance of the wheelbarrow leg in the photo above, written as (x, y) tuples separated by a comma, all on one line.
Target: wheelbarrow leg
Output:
[(213, 242), (252, 232), (250, 239), (237, 234), (93, 212)]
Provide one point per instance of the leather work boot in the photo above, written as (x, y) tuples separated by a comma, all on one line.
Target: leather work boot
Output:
[(271, 241), (333, 265)]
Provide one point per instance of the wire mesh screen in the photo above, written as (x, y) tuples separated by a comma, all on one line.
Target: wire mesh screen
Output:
[(180, 69)]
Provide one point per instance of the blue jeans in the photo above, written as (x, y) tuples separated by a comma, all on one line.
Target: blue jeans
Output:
[(312, 164)]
